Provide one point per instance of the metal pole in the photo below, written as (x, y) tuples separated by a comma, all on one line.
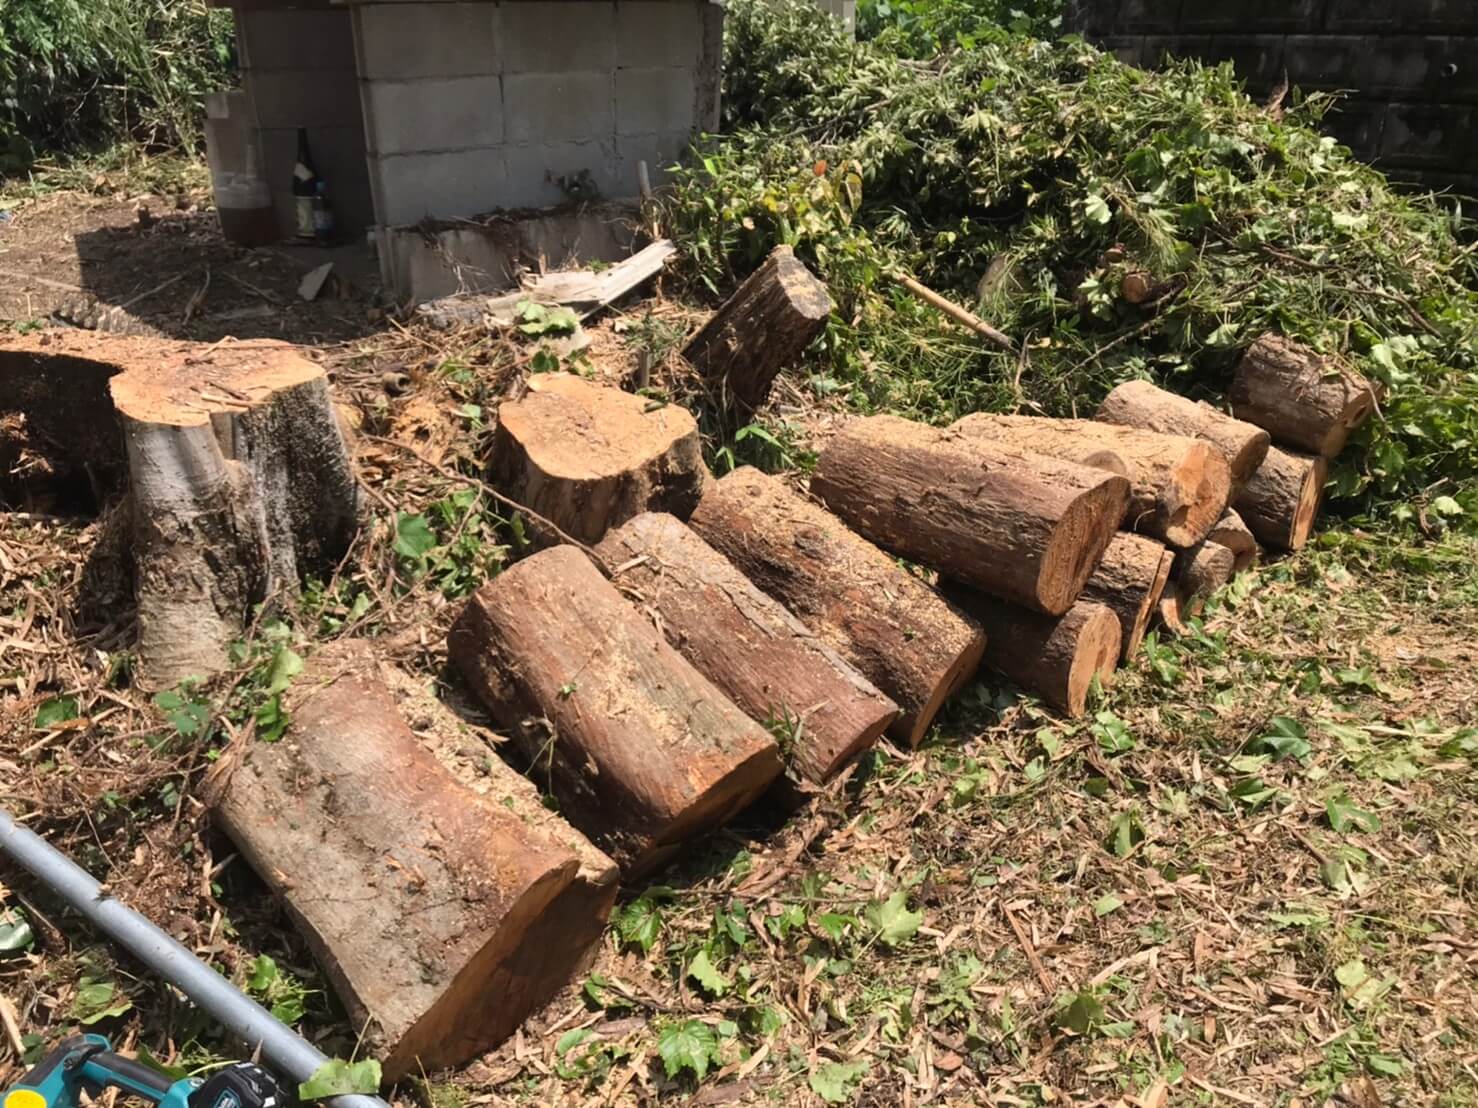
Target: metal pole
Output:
[(282, 1049)]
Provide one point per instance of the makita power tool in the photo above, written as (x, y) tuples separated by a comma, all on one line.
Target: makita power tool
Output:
[(85, 1063)]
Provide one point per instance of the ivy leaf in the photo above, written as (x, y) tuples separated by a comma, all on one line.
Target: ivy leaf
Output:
[(835, 1081), (1286, 738), (1106, 904), (187, 714), (15, 933), (701, 970), (1082, 1013), (337, 1077), (285, 666), (1384, 1065), (97, 999), (413, 536), (1344, 815), (1096, 208), (57, 710), (894, 922), (690, 1045)]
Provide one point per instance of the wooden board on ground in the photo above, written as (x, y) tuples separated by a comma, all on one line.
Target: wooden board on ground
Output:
[(901, 634), (588, 457), (747, 644), (442, 916), (1141, 404), (1130, 581), (639, 748), (1179, 486), (1308, 401), (1024, 527), (1281, 502)]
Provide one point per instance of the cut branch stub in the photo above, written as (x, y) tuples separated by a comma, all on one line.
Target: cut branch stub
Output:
[(436, 911), (1307, 400), (1021, 526), (588, 457), (761, 329), (1179, 485), (901, 634), (1280, 503), (1130, 580), (1141, 404), (640, 749), (747, 643)]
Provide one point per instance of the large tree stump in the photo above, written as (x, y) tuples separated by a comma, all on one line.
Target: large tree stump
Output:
[(1234, 534), (747, 644), (1130, 581), (1179, 486), (1020, 526), (441, 915), (1054, 657), (1281, 501), (1199, 572), (901, 634), (640, 749), (1141, 404), (588, 457), (1308, 401), (761, 329)]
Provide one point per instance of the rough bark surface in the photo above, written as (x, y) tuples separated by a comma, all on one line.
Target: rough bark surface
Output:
[(1199, 572), (589, 457), (1308, 401), (767, 661), (435, 910), (1179, 486), (1130, 581), (901, 634), (1141, 404), (1280, 503), (1054, 657), (1233, 533), (761, 329), (1021, 526), (640, 749)]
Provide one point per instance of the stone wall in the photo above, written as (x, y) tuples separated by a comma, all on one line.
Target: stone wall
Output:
[(1410, 66)]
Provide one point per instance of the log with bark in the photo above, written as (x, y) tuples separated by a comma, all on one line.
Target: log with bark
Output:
[(1308, 401), (761, 329), (767, 661), (1141, 404), (1053, 657), (1281, 501), (1179, 486), (1199, 572), (1130, 581), (900, 633), (442, 916), (588, 457), (1024, 527), (639, 748), (1231, 532)]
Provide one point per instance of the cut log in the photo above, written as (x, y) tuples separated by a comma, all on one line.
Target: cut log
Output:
[(1281, 501), (1199, 572), (1053, 657), (1130, 580), (1179, 486), (1231, 532), (1308, 401), (900, 633), (1024, 527), (640, 749), (761, 329), (1172, 620), (442, 916), (588, 457), (767, 661), (1141, 404)]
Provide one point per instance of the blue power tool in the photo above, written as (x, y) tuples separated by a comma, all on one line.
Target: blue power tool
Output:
[(86, 1063)]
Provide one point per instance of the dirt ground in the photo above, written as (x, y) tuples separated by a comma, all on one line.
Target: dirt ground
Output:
[(1248, 878)]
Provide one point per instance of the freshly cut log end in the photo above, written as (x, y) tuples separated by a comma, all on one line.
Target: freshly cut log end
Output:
[(896, 630), (1231, 532), (1054, 657), (454, 937), (1171, 617), (1141, 404), (640, 749), (588, 457), (1179, 485), (1306, 400), (1130, 581), (767, 661), (761, 329), (1021, 526), (1200, 572), (1281, 502)]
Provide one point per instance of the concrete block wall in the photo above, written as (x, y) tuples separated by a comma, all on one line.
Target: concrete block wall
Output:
[(1409, 67), (483, 106)]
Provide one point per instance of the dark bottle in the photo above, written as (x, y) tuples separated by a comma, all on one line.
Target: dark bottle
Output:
[(305, 188), (323, 214)]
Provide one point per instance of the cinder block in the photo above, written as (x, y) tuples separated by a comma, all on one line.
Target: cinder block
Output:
[(1455, 17), (1408, 67), (1348, 17), (1151, 16), (1158, 48), (1358, 124), (1427, 136), (558, 107), (295, 38), (338, 153), (534, 172), (550, 37), (1092, 18), (399, 41), (454, 113), (711, 68), (659, 32), (1129, 49), (1252, 17), (660, 152), (305, 97), (1259, 60), (649, 101), (461, 183)]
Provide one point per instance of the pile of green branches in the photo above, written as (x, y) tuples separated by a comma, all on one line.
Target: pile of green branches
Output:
[(1027, 179)]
